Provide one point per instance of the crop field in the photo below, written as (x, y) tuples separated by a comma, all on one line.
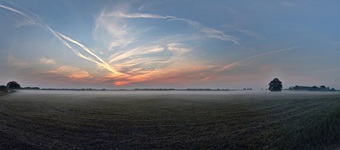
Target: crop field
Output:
[(2, 93), (169, 120)]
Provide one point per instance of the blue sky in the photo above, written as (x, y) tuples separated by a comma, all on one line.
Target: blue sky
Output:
[(128, 44)]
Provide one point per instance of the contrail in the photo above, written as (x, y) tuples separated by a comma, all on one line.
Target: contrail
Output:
[(253, 56), (64, 40), (245, 59), (326, 70), (101, 63), (16, 11)]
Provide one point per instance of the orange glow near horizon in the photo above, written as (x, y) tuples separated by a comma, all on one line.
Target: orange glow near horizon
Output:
[(121, 83)]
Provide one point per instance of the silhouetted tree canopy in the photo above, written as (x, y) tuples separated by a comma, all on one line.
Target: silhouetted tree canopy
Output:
[(275, 85), (13, 85)]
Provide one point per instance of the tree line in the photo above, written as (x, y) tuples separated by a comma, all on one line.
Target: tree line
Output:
[(10, 85), (275, 86)]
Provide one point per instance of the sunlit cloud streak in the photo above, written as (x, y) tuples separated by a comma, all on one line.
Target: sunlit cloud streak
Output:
[(136, 51), (143, 68), (71, 72), (184, 72)]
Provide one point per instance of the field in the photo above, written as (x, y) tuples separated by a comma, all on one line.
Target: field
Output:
[(169, 120), (2, 93)]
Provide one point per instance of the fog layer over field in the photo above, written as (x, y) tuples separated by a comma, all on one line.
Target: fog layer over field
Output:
[(169, 119)]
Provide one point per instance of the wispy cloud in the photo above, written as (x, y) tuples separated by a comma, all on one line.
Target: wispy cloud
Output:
[(251, 33), (138, 15), (12, 61), (71, 72), (209, 32), (47, 61), (147, 62)]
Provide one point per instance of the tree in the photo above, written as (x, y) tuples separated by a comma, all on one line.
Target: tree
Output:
[(275, 85), (13, 85)]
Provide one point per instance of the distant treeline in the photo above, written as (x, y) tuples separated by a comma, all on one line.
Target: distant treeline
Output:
[(73, 89), (142, 89), (189, 89), (311, 88), (31, 88)]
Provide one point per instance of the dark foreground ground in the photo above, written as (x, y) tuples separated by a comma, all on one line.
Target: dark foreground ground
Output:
[(169, 120), (2, 93)]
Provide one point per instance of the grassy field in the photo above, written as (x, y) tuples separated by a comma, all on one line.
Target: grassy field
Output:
[(2, 93), (171, 120)]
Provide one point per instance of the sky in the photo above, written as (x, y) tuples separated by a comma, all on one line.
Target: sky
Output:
[(169, 43)]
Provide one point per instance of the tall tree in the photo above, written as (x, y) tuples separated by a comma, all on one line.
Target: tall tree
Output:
[(13, 85), (275, 85)]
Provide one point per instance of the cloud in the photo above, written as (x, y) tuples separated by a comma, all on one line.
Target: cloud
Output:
[(121, 42), (71, 72), (143, 68), (142, 62), (113, 32), (17, 62), (25, 23), (178, 48), (210, 32), (133, 52), (251, 33), (156, 59), (47, 61), (213, 33), (137, 15)]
